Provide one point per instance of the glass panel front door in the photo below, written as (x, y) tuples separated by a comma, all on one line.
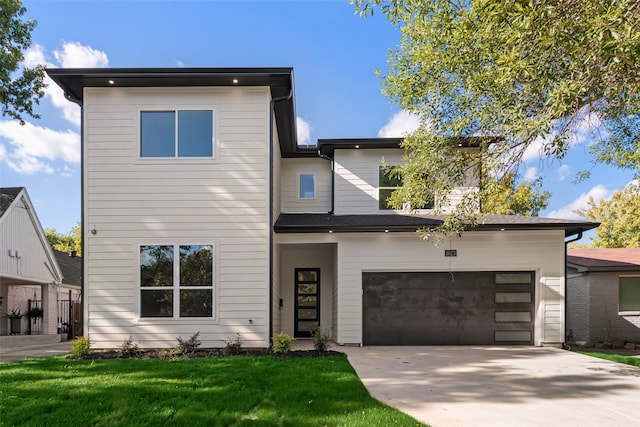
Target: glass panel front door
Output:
[(307, 310)]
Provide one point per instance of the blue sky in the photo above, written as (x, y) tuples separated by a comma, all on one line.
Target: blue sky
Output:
[(333, 52)]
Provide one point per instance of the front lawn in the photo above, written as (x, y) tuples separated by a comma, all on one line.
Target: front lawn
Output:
[(629, 360), (230, 391)]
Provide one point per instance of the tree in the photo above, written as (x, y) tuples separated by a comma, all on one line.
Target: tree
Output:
[(519, 73), (620, 222), (526, 199), (65, 242), (21, 87)]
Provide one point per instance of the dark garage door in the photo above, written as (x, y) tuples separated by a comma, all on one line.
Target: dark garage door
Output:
[(448, 308)]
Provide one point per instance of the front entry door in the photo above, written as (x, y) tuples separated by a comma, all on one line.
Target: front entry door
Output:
[(307, 315)]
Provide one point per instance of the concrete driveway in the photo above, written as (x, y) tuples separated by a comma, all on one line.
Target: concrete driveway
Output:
[(500, 386)]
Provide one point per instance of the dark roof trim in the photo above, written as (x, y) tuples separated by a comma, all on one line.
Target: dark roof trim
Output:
[(602, 269), (327, 147), (323, 223), (280, 80)]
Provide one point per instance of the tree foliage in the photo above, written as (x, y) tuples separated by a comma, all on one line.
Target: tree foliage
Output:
[(508, 198), (619, 218), (71, 241), (20, 87), (524, 73)]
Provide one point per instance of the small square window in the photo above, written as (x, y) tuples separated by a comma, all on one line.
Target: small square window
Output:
[(183, 133), (307, 186), (629, 293)]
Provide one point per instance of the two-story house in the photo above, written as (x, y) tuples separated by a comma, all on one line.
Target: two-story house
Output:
[(201, 213)]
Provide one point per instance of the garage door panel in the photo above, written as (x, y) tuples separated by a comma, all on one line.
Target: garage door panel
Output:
[(446, 308)]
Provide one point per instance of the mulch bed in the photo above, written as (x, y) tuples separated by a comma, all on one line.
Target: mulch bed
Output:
[(200, 353)]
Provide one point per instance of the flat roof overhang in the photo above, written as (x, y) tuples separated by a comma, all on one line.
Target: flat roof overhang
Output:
[(279, 80), (324, 223)]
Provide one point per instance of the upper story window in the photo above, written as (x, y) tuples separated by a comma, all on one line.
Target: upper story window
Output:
[(177, 133), (629, 293), (306, 186), (176, 281), (388, 182)]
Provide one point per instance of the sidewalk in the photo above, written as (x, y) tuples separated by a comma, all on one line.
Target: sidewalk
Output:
[(28, 352)]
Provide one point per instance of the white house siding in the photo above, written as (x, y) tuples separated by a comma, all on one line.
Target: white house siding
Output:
[(275, 269), (131, 201), (357, 175), (19, 230), (539, 251), (291, 168)]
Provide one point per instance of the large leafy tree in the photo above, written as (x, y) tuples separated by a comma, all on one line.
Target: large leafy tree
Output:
[(522, 74), (62, 242), (619, 218), (508, 198), (21, 87)]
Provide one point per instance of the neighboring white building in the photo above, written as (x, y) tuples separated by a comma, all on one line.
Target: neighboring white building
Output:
[(201, 214), (603, 294), (28, 266)]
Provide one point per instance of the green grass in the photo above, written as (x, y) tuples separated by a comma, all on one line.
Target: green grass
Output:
[(629, 360), (231, 391)]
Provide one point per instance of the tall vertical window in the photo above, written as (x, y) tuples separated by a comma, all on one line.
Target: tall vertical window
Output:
[(307, 186), (388, 182), (181, 133), (176, 281)]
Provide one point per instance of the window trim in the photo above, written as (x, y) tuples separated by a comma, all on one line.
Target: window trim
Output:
[(633, 311), (380, 167), (299, 187), (175, 109), (176, 282)]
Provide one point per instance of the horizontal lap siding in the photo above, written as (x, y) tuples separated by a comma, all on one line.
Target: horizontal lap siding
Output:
[(540, 251), (291, 169), (132, 201)]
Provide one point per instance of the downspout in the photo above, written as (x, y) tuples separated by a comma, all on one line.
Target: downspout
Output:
[(271, 155), (333, 178), (566, 278)]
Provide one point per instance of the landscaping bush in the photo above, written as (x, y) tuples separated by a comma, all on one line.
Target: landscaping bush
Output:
[(320, 339), (81, 348), (282, 343)]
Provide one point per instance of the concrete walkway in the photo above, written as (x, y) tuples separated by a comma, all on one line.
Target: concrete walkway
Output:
[(506, 386), (10, 354)]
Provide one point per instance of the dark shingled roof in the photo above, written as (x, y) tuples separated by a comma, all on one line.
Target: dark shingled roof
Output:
[(322, 223), (71, 268), (604, 259), (7, 196)]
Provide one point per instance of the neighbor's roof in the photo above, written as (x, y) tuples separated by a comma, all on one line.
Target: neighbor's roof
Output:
[(7, 196), (71, 267), (279, 80), (604, 259), (322, 223)]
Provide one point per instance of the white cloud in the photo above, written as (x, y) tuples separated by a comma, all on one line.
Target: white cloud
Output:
[(179, 64), (399, 125), (531, 174), (303, 129), (598, 193), (34, 56), (76, 55), (32, 148), (563, 172)]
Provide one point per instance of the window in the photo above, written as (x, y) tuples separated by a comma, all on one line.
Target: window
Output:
[(388, 182), (183, 133), (629, 293), (176, 281), (307, 186)]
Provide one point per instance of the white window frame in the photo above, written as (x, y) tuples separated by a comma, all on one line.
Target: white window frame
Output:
[(299, 186), (174, 109), (387, 188), (176, 288)]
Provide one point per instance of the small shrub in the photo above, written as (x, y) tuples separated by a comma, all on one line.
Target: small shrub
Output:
[(320, 339), (282, 343), (233, 346), (173, 353), (81, 348), (129, 348), (189, 346)]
